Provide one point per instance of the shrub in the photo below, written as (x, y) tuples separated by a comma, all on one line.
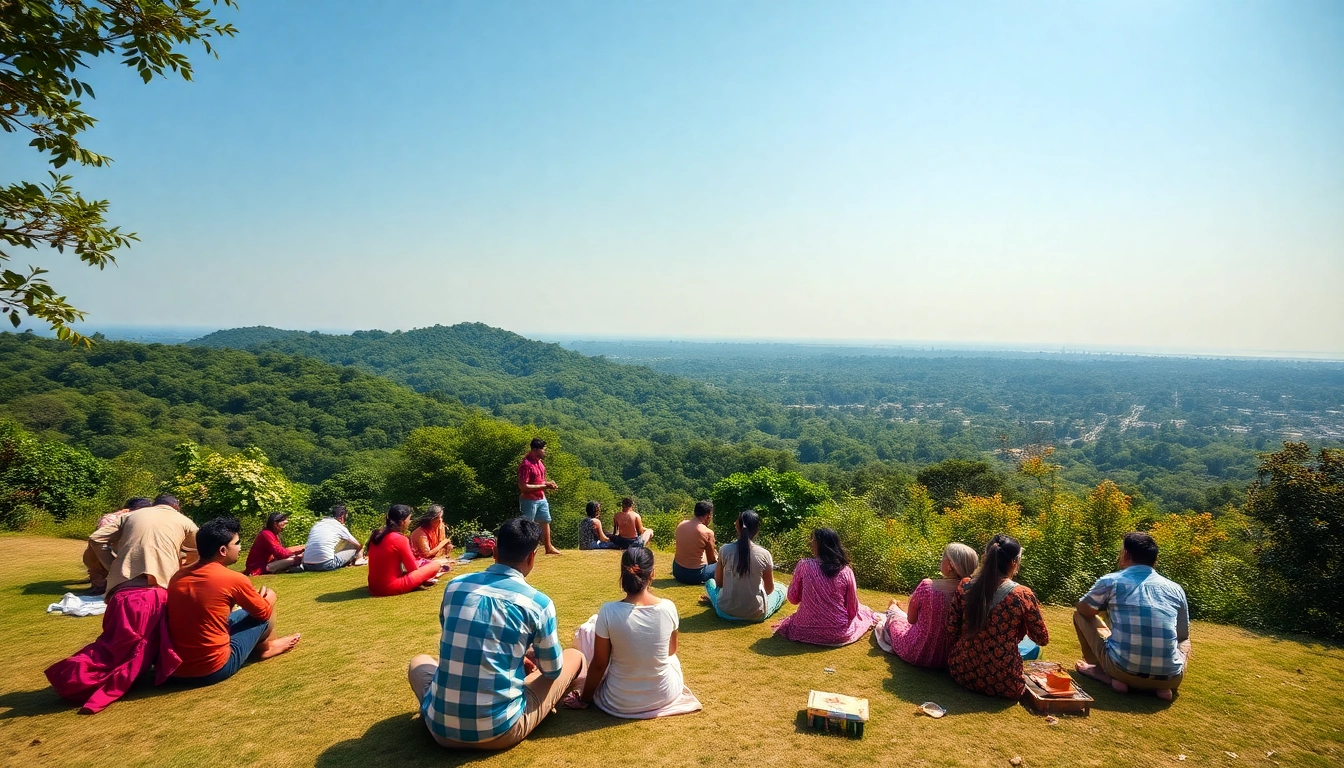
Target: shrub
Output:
[(242, 485), (42, 480), (783, 500)]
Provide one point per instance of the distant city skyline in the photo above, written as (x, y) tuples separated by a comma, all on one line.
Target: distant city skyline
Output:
[(1045, 176)]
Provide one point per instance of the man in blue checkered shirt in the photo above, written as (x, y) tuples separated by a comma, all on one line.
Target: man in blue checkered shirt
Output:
[(1147, 643), (500, 668)]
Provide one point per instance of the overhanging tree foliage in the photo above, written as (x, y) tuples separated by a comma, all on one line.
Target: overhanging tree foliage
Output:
[(43, 44)]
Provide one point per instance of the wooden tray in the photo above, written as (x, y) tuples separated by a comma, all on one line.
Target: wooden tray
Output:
[(1039, 700)]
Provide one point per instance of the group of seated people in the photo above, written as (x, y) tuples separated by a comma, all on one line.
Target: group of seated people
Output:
[(171, 599), (402, 555), (628, 528)]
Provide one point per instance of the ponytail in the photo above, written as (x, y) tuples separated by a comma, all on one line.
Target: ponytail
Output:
[(748, 523), (1002, 552), (396, 514), (636, 569)]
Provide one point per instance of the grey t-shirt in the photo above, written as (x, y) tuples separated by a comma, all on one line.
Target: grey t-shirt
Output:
[(743, 596)]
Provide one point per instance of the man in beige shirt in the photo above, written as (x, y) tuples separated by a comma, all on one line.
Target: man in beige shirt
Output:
[(150, 544), (141, 551)]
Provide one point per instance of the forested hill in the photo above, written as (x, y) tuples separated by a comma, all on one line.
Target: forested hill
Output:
[(308, 416), (529, 381)]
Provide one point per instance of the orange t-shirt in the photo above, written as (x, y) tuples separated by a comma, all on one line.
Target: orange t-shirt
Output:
[(199, 603)]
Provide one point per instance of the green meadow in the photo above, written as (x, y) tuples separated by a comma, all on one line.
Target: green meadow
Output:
[(341, 697)]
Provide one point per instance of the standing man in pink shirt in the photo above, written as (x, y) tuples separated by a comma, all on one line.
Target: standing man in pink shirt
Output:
[(532, 487)]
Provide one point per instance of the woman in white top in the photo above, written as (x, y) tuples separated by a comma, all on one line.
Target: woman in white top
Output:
[(635, 671)]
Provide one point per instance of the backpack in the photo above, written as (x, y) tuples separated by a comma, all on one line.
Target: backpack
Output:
[(481, 544)]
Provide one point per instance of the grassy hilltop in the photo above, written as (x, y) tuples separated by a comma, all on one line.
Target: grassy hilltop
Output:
[(341, 698)]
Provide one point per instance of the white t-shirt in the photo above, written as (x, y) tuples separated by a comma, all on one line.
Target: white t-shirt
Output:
[(324, 539), (641, 676)]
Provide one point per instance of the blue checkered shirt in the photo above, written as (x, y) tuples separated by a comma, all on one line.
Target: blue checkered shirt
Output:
[(1149, 618), (489, 621)]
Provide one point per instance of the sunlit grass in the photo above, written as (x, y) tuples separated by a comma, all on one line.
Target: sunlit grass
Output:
[(341, 698)]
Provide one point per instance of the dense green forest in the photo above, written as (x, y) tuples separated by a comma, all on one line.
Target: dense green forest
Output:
[(309, 417), (1175, 434)]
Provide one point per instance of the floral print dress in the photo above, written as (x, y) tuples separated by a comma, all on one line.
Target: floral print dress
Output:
[(989, 662)]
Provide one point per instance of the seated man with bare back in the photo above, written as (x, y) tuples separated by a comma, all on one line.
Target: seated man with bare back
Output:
[(630, 530), (696, 549)]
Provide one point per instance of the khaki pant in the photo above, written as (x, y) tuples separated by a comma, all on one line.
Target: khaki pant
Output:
[(1092, 635), (97, 573), (542, 695)]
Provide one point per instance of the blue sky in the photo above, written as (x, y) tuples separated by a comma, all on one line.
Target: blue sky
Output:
[(1107, 174)]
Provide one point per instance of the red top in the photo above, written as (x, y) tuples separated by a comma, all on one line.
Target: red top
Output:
[(392, 568), (532, 472), (200, 600), (265, 550)]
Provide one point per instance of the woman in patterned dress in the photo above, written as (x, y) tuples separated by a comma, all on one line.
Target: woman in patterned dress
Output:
[(990, 615), (823, 588)]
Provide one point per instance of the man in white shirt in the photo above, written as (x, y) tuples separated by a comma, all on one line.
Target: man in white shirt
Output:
[(330, 544)]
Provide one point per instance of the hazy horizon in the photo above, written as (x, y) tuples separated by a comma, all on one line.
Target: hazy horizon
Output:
[(1100, 176)]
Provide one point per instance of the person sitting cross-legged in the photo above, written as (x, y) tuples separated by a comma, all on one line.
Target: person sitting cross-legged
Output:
[(139, 551), (429, 536), (696, 555), (267, 554), (823, 588), (635, 672), (97, 571), (1147, 644), (330, 544), (743, 587), (630, 530), (990, 616), (591, 535), (213, 639), (500, 669), (919, 634), (393, 569)]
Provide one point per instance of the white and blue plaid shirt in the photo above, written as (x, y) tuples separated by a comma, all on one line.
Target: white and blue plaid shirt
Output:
[(1149, 618), (489, 621)]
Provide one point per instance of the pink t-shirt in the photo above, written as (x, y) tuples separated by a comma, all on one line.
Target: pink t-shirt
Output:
[(532, 472)]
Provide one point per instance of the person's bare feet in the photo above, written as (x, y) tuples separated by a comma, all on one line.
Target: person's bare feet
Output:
[(704, 600), (1164, 694), (554, 551), (279, 645), (1095, 672)]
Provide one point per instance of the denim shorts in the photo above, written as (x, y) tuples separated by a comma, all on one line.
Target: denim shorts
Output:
[(245, 631), (535, 509)]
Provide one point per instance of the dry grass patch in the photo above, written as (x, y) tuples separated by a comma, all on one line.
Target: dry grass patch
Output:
[(341, 698)]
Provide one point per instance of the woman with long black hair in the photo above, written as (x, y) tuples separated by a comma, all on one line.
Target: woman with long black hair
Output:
[(743, 587), (823, 588), (393, 569), (990, 615), (267, 554)]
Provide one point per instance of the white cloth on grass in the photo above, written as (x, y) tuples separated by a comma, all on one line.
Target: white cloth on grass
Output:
[(79, 605)]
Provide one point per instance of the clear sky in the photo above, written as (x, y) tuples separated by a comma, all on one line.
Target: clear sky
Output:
[(1162, 175)]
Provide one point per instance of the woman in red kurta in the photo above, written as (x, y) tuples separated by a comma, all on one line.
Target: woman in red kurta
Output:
[(990, 615), (393, 569), (267, 554)]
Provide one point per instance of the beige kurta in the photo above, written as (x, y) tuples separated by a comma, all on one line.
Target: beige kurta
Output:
[(148, 542)]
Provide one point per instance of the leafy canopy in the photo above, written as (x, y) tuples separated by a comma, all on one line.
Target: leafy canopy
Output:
[(43, 44)]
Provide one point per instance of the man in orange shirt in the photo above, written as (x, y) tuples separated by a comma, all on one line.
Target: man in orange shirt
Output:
[(213, 639)]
